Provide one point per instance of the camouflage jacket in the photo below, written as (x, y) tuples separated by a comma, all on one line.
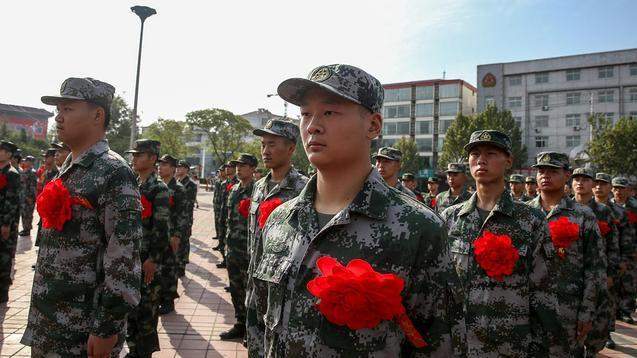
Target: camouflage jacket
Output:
[(190, 188), (400, 187), (46, 176), (156, 227), (29, 184), (626, 231), (237, 224), (581, 273), (226, 186), (445, 200), (604, 214), (523, 198), (631, 214), (178, 209), (87, 276), (217, 195), (10, 196), (514, 317), (392, 232), (429, 200)]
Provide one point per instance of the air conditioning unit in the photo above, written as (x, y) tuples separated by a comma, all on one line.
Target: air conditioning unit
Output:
[(537, 130), (577, 128), (545, 108)]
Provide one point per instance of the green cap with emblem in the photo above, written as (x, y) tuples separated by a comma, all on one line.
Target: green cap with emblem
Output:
[(408, 176), (49, 152), (530, 180), (167, 158), (245, 158), (603, 177), (620, 182), (145, 146), (84, 89), (183, 164), (281, 128), (492, 137), (8, 146), (29, 158), (388, 153), (551, 160), (432, 180), (583, 172), (516, 178), (345, 81), (456, 168)]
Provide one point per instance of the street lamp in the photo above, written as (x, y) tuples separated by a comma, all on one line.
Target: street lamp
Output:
[(285, 104), (143, 12)]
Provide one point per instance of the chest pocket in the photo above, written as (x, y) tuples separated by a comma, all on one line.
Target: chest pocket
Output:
[(460, 251), (272, 270), (253, 219)]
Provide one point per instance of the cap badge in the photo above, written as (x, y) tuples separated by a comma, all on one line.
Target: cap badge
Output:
[(545, 158), (485, 136), (268, 125), (321, 74)]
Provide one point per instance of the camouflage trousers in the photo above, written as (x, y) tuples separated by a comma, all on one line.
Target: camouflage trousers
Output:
[(168, 278), (604, 318), (254, 332), (40, 353), (627, 289), (237, 261), (141, 336), (217, 219), (7, 254), (183, 253), (221, 236), (26, 213)]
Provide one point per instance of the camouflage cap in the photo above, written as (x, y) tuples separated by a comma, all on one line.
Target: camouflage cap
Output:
[(84, 89), (516, 178), (345, 81), (8, 146), (432, 180), (603, 177), (583, 172), (145, 146), (456, 168), (493, 137), (408, 176), (183, 164), (551, 160), (49, 152), (167, 158), (60, 145), (29, 158), (245, 158), (281, 128), (530, 180), (388, 153), (621, 182)]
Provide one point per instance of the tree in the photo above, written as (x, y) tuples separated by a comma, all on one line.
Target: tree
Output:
[(118, 132), (614, 148), (299, 158), (411, 162), (226, 132), (171, 134), (460, 131)]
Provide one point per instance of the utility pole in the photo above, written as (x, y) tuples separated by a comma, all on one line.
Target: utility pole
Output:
[(593, 125)]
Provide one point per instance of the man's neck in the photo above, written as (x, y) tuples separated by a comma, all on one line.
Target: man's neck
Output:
[(603, 199), (518, 194), (4, 164), (550, 199), (455, 191), (144, 174), (531, 193), (279, 173), (337, 187), (180, 177), (583, 198), (488, 194), (392, 181), (167, 179), (245, 182), (78, 149)]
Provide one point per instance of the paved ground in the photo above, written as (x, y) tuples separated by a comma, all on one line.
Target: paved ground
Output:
[(202, 312)]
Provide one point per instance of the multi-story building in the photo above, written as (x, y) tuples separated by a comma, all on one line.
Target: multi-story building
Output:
[(423, 111), (260, 117), (551, 99), (32, 121)]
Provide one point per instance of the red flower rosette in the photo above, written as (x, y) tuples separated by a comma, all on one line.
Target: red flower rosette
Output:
[(229, 187), (3, 181), (433, 202), (171, 201), (266, 208), (54, 205), (358, 297), (244, 207), (147, 207), (604, 228), (632, 217), (563, 234), (496, 255)]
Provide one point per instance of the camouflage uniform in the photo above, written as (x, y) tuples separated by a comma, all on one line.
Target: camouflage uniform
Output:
[(45, 178), (217, 204), (226, 186), (395, 155), (190, 188), (445, 199), (29, 183), (9, 216)]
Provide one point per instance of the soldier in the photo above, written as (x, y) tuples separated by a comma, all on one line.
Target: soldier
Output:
[(282, 183), (530, 186), (581, 265), (16, 159), (50, 169), (432, 187), (237, 259), (178, 226), (190, 188), (623, 285), (346, 212), (88, 271), (142, 338), (457, 192), (10, 187), (388, 165), (226, 186), (605, 313), (516, 185), (216, 202), (29, 182), (409, 181), (61, 152), (621, 196), (521, 289)]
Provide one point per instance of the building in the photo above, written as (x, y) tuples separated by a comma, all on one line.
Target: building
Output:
[(423, 111), (551, 99), (260, 117), (33, 122)]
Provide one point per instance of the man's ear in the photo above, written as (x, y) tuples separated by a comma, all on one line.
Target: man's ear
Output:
[(375, 126)]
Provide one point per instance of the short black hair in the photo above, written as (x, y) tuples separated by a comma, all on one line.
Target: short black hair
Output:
[(107, 113)]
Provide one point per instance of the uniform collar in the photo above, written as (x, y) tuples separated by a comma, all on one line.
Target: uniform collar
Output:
[(287, 182), (565, 204), (87, 158), (504, 205)]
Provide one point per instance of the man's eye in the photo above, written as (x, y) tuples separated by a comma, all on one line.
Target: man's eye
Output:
[(328, 113)]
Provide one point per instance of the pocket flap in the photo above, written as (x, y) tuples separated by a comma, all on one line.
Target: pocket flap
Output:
[(272, 268)]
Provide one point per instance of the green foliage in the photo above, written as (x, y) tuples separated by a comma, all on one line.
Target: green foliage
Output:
[(459, 132), (29, 146), (171, 134), (613, 149), (118, 132), (299, 158), (411, 162), (252, 147)]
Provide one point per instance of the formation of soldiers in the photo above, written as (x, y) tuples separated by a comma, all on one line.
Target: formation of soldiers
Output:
[(355, 261)]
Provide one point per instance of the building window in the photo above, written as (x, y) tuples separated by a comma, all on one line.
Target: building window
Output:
[(542, 77), (573, 75), (633, 69), (402, 111), (425, 92), (573, 140), (609, 115), (449, 91), (573, 98), (515, 80), (632, 115), (573, 120), (632, 95), (518, 121), (605, 72), (423, 127), (389, 142), (441, 143), (396, 128), (541, 141), (605, 96), (448, 108), (424, 109), (426, 161), (489, 101), (542, 100), (424, 144), (398, 94), (541, 121), (444, 125), (515, 102)]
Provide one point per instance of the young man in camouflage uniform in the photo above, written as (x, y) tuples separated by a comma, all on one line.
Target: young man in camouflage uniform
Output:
[(178, 226), (410, 182), (237, 258), (516, 185), (432, 191), (457, 192), (49, 173), (216, 200), (513, 315), (190, 188), (530, 186), (10, 188), (29, 185), (347, 211), (88, 273), (226, 186), (61, 152), (581, 265), (388, 165), (622, 287), (282, 183), (583, 182), (142, 338)]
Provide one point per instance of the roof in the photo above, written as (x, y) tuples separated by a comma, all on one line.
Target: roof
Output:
[(428, 83), (565, 57), (30, 112)]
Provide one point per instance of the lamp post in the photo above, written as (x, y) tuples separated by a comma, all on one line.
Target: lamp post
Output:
[(143, 12)]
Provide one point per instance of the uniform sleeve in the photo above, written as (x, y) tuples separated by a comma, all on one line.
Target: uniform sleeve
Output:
[(626, 234), (10, 209), (161, 224), (121, 267), (613, 252), (181, 206), (594, 269)]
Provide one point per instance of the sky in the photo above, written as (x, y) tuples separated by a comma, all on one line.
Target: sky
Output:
[(231, 54)]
